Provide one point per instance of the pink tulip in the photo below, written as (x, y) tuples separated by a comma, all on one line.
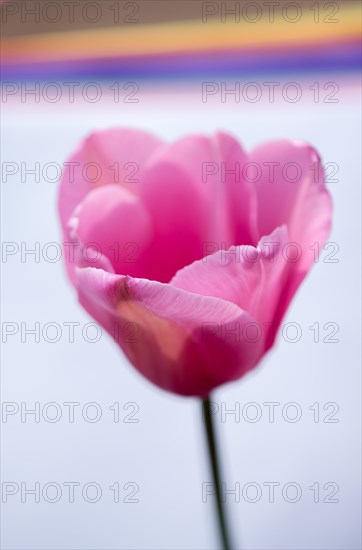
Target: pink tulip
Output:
[(189, 253)]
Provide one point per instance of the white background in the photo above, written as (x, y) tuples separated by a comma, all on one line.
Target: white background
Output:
[(164, 452)]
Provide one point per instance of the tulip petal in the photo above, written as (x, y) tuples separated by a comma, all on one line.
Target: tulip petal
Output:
[(118, 226), (252, 278), (182, 342), (293, 192), (179, 219), (240, 198), (196, 200), (110, 156)]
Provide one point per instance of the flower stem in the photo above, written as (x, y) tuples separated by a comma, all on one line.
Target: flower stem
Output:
[(214, 463)]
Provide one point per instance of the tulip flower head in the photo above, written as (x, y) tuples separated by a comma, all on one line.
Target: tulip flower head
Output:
[(189, 253)]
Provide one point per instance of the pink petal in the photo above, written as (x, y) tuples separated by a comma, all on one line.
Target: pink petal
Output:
[(252, 278), (79, 254), (118, 156), (303, 205), (196, 211), (178, 212), (118, 226), (240, 197), (182, 342)]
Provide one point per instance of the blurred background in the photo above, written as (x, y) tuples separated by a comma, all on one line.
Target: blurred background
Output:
[(93, 456)]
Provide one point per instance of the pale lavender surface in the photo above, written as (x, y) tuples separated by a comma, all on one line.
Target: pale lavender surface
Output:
[(164, 452)]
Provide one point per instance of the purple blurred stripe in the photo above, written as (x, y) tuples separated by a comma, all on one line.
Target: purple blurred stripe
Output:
[(345, 56)]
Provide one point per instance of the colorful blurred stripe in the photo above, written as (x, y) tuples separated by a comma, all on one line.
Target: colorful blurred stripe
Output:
[(188, 49)]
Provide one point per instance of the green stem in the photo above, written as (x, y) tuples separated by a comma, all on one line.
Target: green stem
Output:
[(214, 463)]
